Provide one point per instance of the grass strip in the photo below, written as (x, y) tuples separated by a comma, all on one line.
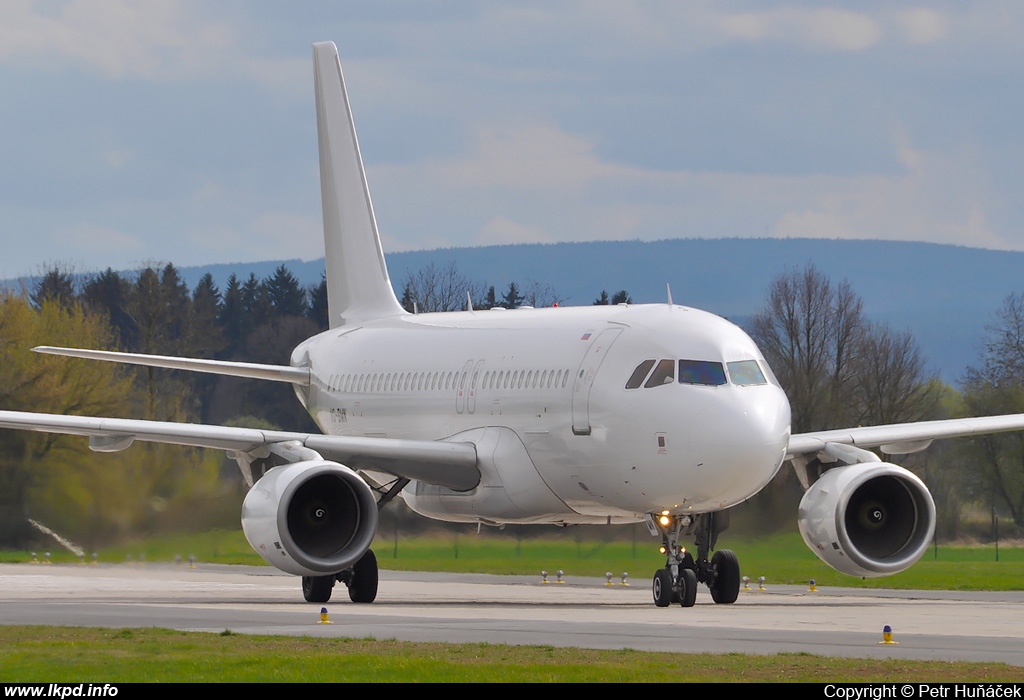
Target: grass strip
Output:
[(89, 655)]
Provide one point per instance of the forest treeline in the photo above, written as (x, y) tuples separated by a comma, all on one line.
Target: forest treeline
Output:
[(838, 368)]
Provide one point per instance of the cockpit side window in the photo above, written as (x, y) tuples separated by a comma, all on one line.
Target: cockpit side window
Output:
[(746, 373), (664, 373), (637, 378), (701, 372)]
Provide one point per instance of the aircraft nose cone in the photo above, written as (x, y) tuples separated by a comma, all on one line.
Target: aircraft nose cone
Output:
[(743, 437)]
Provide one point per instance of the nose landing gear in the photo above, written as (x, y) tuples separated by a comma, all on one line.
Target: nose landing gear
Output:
[(677, 582)]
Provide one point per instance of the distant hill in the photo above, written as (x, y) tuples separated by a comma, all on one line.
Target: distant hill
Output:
[(944, 294)]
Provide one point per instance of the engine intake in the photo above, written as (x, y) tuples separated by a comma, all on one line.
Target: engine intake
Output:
[(868, 520), (310, 518)]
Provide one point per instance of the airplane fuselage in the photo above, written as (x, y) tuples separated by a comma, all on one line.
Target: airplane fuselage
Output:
[(588, 439)]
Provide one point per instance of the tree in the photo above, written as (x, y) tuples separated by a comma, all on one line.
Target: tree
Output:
[(255, 305), (512, 299), (318, 309), (53, 478), (837, 369), (891, 384), (996, 386), (808, 331), (284, 293), (490, 299), (620, 297), (435, 288), (57, 284), (231, 317), (107, 293), (538, 295)]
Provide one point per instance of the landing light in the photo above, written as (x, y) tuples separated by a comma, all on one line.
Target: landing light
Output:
[(665, 520)]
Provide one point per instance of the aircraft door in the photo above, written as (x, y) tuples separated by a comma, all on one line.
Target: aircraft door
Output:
[(461, 386), (585, 379), (474, 380)]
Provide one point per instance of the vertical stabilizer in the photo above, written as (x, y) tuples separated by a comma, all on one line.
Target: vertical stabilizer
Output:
[(358, 286)]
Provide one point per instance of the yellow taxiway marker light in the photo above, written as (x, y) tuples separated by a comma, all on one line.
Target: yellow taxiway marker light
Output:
[(746, 583), (544, 577), (323, 618), (624, 582), (813, 588), (887, 636), (558, 576), (760, 583), (192, 561), (608, 578)]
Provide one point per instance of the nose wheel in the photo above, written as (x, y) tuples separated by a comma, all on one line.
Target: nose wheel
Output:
[(677, 582)]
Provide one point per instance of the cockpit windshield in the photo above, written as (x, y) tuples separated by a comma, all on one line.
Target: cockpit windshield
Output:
[(698, 372), (701, 372), (746, 373)]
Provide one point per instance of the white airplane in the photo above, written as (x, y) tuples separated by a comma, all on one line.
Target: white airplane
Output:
[(657, 413)]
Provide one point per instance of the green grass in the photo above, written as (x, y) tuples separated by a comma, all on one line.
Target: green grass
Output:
[(86, 655), (781, 559)]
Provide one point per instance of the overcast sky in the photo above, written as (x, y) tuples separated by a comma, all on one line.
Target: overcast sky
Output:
[(137, 132)]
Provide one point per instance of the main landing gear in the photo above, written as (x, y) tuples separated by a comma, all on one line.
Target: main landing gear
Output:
[(361, 580), (677, 582)]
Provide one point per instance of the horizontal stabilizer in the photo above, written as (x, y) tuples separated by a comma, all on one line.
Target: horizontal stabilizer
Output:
[(250, 370)]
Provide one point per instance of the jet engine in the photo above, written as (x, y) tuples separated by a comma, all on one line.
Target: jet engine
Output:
[(871, 519), (311, 518)]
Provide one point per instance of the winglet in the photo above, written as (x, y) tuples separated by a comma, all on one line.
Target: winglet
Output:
[(358, 286)]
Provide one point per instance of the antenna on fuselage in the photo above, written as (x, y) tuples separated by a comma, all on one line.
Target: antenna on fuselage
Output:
[(668, 289), (469, 301)]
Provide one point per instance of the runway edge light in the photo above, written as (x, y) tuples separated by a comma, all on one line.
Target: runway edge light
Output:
[(887, 636)]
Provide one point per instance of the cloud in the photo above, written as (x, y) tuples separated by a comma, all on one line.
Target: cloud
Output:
[(162, 40), (923, 26), (92, 238), (502, 231), (940, 198), (538, 183), (537, 156), (259, 239), (828, 29)]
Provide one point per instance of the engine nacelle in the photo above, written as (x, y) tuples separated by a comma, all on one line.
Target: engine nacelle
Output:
[(310, 518), (871, 519)]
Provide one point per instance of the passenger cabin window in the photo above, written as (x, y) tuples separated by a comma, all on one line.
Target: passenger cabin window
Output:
[(701, 372), (746, 373)]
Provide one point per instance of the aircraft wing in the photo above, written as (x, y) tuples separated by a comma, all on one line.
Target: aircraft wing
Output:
[(449, 464), (903, 438)]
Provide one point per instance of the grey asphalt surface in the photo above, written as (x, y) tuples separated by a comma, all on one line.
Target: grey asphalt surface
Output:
[(985, 626)]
